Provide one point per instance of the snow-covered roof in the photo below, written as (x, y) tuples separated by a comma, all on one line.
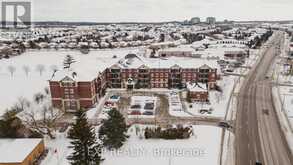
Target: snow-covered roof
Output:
[(88, 69), (235, 51), (196, 87), (183, 62), (178, 49), (16, 150)]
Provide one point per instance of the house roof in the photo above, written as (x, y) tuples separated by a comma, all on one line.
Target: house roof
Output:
[(196, 87), (16, 150)]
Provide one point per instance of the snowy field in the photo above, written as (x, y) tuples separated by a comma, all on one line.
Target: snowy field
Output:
[(19, 84), (202, 148)]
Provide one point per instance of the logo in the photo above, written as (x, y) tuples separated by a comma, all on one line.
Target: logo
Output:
[(16, 15)]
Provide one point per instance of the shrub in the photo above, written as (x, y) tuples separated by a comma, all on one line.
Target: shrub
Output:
[(170, 133)]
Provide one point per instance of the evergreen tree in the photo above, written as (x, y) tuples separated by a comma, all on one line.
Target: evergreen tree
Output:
[(86, 149), (68, 61), (113, 130), (10, 125)]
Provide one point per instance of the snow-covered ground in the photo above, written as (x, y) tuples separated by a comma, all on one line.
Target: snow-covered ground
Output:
[(282, 107), (202, 148), (286, 95), (22, 85), (175, 105)]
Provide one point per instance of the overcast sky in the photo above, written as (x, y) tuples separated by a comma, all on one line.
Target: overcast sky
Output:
[(160, 10)]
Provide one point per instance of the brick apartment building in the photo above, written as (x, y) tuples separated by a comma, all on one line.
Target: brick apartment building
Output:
[(70, 91), (197, 92), (174, 77)]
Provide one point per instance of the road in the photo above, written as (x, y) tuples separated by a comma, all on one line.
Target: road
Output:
[(257, 129)]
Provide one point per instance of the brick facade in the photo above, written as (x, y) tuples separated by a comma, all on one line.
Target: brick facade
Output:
[(70, 95)]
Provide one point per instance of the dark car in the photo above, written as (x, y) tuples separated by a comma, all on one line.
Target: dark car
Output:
[(224, 124), (149, 106), (136, 106), (148, 113), (258, 163)]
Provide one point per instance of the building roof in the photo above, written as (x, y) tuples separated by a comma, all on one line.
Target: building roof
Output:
[(88, 70), (178, 49), (182, 62), (235, 51), (16, 150), (196, 87)]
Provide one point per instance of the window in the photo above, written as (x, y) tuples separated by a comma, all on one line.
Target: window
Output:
[(67, 103), (68, 84)]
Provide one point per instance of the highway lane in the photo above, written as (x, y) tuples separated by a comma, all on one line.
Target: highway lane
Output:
[(258, 133), (274, 139)]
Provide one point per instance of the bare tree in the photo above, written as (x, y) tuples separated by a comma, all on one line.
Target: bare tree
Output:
[(54, 69), (26, 69), (42, 121), (40, 68), (47, 91), (23, 103), (39, 98), (11, 69)]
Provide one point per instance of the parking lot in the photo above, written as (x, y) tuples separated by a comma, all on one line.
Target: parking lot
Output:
[(148, 107)]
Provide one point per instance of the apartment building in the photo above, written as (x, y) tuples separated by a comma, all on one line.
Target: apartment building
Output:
[(71, 90), (70, 93)]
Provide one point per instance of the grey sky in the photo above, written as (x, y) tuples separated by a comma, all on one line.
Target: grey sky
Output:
[(159, 10)]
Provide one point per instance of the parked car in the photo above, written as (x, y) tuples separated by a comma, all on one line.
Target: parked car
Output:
[(148, 113), (230, 70), (108, 104), (114, 98), (149, 106), (258, 163), (224, 124), (173, 93), (135, 106), (135, 112)]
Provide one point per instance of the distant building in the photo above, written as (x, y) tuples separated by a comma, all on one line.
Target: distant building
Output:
[(176, 52), (211, 20), (195, 20), (21, 151), (186, 22), (237, 54)]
